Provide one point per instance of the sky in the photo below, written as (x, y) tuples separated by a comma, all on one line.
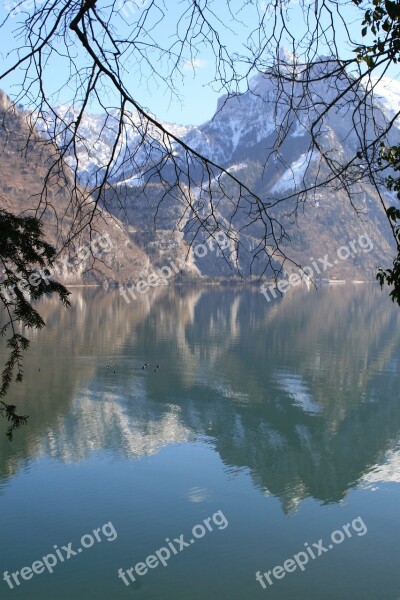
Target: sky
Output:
[(198, 94)]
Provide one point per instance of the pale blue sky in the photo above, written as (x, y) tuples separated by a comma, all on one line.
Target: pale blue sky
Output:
[(199, 98)]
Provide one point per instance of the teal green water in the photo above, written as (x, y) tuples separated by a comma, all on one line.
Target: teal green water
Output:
[(284, 416)]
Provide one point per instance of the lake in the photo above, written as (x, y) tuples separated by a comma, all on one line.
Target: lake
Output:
[(261, 459)]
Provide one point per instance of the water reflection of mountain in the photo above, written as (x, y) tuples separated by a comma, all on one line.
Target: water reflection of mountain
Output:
[(302, 392)]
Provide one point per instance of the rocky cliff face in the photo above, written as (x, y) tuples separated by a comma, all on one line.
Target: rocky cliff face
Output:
[(23, 168)]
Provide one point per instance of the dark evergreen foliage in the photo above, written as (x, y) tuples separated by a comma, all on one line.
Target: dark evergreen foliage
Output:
[(24, 257)]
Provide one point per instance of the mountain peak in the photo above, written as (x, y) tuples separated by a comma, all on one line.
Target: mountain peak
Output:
[(286, 57)]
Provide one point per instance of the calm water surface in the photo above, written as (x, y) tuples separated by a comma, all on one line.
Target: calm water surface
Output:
[(283, 416)]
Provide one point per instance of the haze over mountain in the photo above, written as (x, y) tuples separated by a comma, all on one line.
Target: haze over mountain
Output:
[(239, 138)]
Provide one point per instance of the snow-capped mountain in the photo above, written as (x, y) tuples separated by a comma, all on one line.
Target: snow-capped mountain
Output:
[(240, 137), (244, 126), (96, 140)]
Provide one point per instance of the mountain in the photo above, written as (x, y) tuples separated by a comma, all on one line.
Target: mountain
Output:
[(97, 137), (23, 168), (239, 137)]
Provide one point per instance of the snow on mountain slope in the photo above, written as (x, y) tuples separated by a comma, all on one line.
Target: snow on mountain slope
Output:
[(97, 136), (293, 177), (388, 93), (247, 117)]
